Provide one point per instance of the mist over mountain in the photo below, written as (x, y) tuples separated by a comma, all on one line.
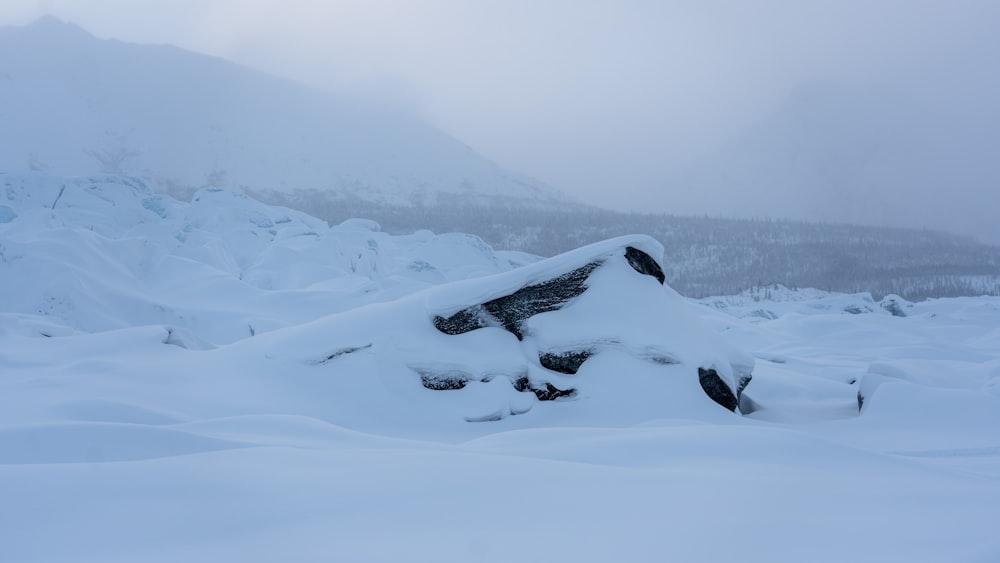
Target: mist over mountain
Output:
[(74, 104), (873, 156)]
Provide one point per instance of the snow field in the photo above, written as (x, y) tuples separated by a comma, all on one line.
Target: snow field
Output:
[(226, 380)]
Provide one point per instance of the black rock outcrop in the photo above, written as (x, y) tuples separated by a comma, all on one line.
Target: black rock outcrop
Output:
[(510, 311), (567, 362), (719, 392), (644, 264), (548, 393)]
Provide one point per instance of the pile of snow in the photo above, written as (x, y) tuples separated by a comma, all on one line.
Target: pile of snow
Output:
[(226, 380), (106, 252)]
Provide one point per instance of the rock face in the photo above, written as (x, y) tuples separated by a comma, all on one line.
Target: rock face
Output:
[(567, 362), (510, 311)]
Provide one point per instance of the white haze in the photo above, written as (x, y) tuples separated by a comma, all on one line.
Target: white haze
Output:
[(614, 101)]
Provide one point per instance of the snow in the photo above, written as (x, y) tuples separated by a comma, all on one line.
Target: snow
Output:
[(227, 380)]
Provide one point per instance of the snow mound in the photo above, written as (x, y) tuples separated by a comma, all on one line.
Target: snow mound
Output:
[(594, 326), (106, 252)]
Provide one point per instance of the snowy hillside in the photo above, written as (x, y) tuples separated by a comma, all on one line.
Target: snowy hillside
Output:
[(226, 380), (73, 104)]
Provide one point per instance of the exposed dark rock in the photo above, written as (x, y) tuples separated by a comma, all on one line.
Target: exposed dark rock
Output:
[(442, 381), (463, 321), (744, 381), (551, 392), (644, 263), (717, 389), (521, 384), (567, 362), (861, 401), (548, 393), (510, 311)]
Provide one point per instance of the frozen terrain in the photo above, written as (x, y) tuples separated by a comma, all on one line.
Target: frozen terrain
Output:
[(224, 380)]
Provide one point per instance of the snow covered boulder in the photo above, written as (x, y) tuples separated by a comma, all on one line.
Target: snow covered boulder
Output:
[(593, 334), (607, 296)]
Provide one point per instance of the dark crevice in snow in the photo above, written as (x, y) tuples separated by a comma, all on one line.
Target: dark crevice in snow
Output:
[(660, 358), (748, 405), (58, 197), (341, 352), (492, 417)]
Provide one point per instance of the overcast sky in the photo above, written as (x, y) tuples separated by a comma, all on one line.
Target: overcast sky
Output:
[(598, 98)]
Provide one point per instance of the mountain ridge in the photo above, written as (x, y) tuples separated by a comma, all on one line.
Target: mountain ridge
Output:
[(82, 105)]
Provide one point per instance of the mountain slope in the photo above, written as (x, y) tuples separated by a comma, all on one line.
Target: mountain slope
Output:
[(838, 154), (74, 104)]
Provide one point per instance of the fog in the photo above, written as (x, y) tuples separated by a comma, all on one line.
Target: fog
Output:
[(627, 103)]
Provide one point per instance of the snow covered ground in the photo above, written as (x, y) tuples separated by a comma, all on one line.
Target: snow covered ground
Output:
[(224, 380)]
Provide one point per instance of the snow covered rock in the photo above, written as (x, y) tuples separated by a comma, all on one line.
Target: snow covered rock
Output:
[(895, 305), (386, 327), (595, 326), (514, 312)]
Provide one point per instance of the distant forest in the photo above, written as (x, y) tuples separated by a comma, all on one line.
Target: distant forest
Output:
[(708, 256)]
